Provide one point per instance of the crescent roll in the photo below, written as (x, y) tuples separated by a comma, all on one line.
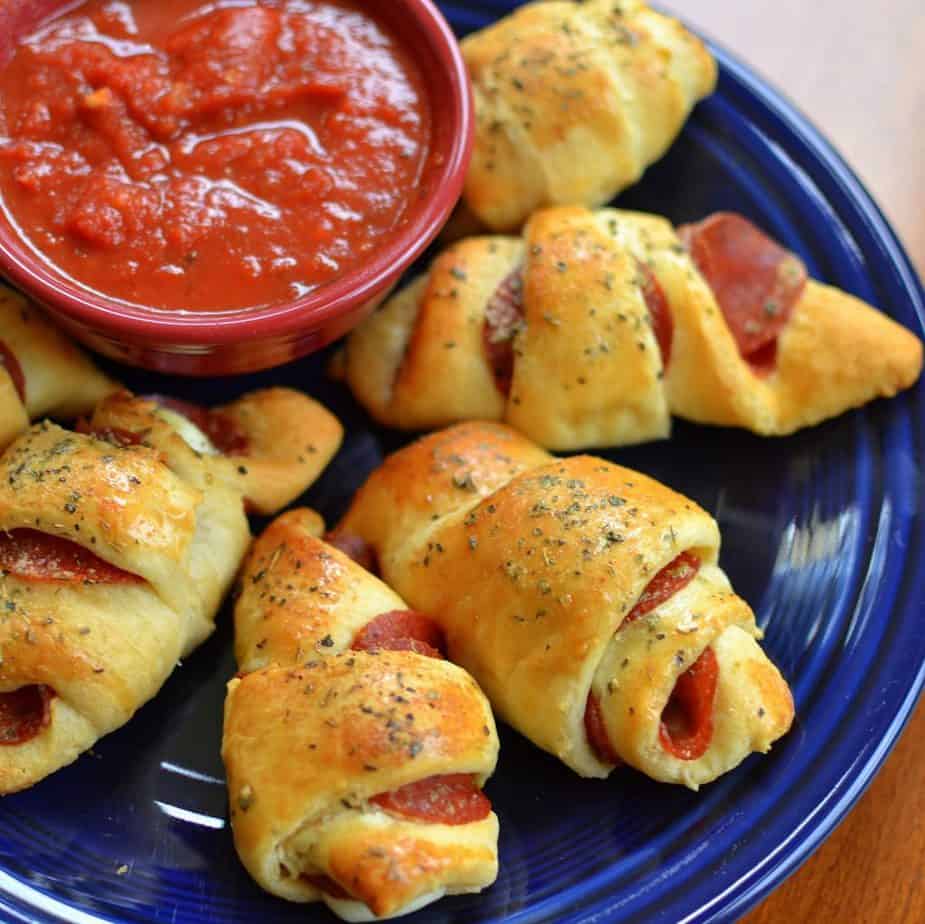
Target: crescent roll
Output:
[(756, 343), (112, 565), (585, 599), (41, 371), (573, 101), (382, 811), (549, 332), (593, 326), (270, 445)]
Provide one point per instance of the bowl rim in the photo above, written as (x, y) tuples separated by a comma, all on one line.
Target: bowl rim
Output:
[(28, 270)]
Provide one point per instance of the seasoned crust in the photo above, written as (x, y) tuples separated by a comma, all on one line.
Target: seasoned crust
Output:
[(104, 649), (586, 365), (559, 554), (835, 352), (222, 532), (154, 428), (107, 647), (290, 440), (368, 723), (573, 101), (122, 504), (432, 477), (359, 724), (587, 368), (635, 678), (532, 578), (300, 597)]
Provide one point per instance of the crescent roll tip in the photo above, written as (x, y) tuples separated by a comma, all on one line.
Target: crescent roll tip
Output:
[(55, 377), (290, 437)]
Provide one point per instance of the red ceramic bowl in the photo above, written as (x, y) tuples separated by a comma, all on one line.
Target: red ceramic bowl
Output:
[(225, 343)]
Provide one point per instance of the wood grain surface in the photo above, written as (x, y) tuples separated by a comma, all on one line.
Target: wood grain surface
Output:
[(858, 71)]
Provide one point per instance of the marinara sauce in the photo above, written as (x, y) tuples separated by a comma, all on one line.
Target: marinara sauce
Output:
[(187, 155)]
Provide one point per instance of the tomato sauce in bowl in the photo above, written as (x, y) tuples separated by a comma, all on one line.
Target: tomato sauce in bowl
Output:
[(193, 156)]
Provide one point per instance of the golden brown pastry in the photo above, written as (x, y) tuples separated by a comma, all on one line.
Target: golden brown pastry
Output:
[(757, 344), (550, 333), (270, 445), (381, 812), (585, 598), (589, 328), (41, 372), (112, 565), (573, 101)]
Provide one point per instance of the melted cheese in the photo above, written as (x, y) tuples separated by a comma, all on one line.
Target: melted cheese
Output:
[(192, 435)]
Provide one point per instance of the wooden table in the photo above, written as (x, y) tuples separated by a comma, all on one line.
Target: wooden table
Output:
[(858, 71)]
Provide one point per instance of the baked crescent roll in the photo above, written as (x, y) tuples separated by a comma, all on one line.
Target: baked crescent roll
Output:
[(549, 332), (270, 445), (381, 812), (111, 568), (41, 371), (592, 326), (586, 599), (573, 101), (757, 344)]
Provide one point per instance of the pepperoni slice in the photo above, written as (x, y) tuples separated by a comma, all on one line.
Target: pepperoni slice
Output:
[(402, 630), (596, 731), (659, 311), (666, 583), (34, 556), (24, 713), (356, 548), (452, 799), (687, 721), (676, 575), (756, 281), (11, 364), (504, 315), (221, 429), (327, 885)]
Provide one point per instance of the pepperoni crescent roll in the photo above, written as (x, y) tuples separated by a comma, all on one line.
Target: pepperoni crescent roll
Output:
[(41, 371), (270, 444), (573, 101), (585, 599), (550, 333), (755, 343), (355, 754), (592, 326), (111, 568)]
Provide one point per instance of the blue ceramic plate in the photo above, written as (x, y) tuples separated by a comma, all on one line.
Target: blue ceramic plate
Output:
[(822, 532)]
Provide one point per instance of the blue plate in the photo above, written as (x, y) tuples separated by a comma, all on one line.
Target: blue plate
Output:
[(822, 531)]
